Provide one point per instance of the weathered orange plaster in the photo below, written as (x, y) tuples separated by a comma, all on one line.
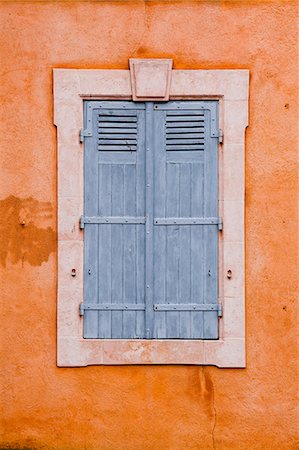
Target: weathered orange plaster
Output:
[(151, 407)]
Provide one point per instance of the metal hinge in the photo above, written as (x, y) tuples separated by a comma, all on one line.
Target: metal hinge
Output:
[(81, 309), (126, 220), (83, 134), (81, 223), (220, 136), (188, 221), (220, 310), (220, 224), (157, 307), (177, 307)]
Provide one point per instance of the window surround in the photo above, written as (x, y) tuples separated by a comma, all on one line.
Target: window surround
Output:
[(71, 87)]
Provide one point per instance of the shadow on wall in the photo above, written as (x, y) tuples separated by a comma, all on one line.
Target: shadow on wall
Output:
[(22, 236)]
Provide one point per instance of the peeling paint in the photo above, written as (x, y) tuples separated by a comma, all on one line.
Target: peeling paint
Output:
[(21, 240)]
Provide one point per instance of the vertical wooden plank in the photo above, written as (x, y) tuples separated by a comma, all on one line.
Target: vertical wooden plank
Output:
[(140, 279), (185, 250), (140, 229), (129, 244), (172, 253), (90, 233), (159, 231), (90, 280), (117, 247), (149, 179), (105, 239), (197, 257), (210, 279)]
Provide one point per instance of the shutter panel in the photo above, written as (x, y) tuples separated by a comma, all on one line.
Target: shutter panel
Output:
[(151, 220), (185, 221), (114, 202)]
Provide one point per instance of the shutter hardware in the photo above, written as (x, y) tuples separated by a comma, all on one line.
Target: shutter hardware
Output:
[(157, 307), (86, 133), (189, 221), (157, 221), (110, 307), (81, 309), (189, 307), (220, 136), (127, 220), (83, 134)]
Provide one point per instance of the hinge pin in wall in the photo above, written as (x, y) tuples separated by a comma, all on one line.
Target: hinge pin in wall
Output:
[(81, 309), (81, 223), (220, 136), (220, 224), (81, 136), (220, 312)]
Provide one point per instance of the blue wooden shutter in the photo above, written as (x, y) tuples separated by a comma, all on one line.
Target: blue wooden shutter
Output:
[(151, 220), (185, 220), (114, 220)]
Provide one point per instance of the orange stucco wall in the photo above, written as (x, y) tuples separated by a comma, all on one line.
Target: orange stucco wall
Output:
[(153, 407)]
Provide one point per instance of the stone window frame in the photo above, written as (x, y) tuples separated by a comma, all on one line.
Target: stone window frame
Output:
[(230, 87)]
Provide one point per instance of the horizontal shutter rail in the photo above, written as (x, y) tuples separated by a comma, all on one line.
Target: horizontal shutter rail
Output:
[(157, 307), (186, 307), (116, 158), (188, 221), (186, 106), (126, 220), (121, 106), (181, 156), (111, 307), (116, 306)]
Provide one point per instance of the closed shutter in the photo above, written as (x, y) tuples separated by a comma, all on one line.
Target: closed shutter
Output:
[(185, 221), (151, 220), (115, 209)]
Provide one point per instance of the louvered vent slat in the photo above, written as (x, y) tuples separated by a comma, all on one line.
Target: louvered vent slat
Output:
[(117, 118), (117, 132), (185, 131), (117, 125)]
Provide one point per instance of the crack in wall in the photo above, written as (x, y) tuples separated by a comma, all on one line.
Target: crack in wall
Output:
[(214, 417), (210, 392)]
